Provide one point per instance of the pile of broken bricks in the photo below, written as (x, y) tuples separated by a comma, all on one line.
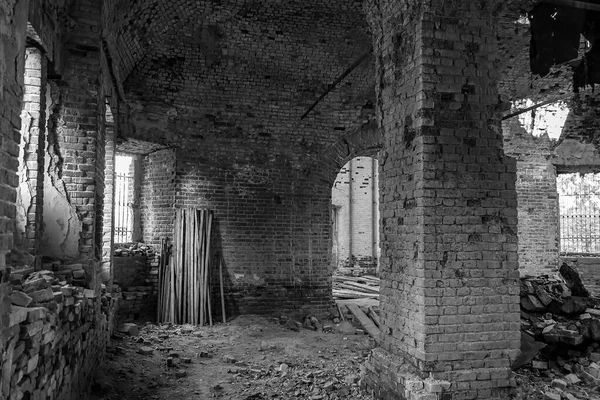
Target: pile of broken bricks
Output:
[(133, 249), (54, 330), (560, 337)]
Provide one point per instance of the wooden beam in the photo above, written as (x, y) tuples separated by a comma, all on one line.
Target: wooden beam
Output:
[(365, 321), (538, 105), (374, 317), (338, 80)]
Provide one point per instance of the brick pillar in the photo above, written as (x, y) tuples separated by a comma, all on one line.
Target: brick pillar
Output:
[(31, 157), (108, 235), (449, 294)]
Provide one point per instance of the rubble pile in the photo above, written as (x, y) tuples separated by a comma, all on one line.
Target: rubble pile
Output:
[(133, 249), (560, 339), (56, 333), (136, 273), (73, 274)]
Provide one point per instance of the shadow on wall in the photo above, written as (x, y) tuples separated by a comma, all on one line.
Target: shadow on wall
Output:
[(231, 306)]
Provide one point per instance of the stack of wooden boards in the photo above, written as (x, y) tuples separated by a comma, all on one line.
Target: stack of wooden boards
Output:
[(184, 289), (351, 287)]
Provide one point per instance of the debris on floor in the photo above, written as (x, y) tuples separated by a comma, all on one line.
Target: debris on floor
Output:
[(560, 340), (251, 357), (350, 287)]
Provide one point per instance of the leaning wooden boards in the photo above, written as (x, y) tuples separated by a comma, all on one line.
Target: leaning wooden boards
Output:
[(185, 281)]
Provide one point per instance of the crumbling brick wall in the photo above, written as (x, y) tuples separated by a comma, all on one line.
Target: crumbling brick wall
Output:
[(13, 16), (31, 156)]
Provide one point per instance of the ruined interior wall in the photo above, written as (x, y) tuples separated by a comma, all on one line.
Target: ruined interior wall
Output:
[(13, 25), (271, 225), (358, 219), (75, 151), (537, 198), (539, 159), (157, 199), (28, 223)]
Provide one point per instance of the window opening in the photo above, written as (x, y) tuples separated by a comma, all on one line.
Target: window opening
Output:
[(123, 199), (579, 210)]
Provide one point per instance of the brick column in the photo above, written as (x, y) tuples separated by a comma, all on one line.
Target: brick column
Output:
[(33, 138), (108, 234), (449, 295)]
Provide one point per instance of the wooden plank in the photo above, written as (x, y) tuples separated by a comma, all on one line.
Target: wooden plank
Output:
[(363, 287), (374, 317), (365, 321), (358, 295)]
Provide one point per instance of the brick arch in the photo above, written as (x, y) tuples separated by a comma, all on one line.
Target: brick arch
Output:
[(365, 141)]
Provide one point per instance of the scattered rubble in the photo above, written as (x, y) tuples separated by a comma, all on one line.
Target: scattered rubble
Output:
[(560, 339), (250, 357)]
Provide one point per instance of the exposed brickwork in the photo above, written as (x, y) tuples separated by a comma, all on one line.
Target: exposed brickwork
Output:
[(272, 227), (539, 159), (13, 19), (109, 194), (449, 295), (31, 157), (158, 196), (76, 155)]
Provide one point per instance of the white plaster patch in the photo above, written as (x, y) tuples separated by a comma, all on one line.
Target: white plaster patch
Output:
[(546, 120)]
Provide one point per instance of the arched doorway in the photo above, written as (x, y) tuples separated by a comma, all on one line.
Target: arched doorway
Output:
[(355, 218)]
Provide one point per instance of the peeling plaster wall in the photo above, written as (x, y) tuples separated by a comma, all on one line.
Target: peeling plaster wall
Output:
[(62, 225), (31, 156), (13, 25)]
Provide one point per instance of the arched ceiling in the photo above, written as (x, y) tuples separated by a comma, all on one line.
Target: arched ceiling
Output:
[(271, 59)]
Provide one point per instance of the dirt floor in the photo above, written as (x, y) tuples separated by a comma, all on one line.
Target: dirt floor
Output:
[(249, 358), (254, 357)]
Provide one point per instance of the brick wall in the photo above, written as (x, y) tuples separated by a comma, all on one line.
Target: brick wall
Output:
[(539, 159), (449, 294), (75, 156), (271, 226), (109, 194), (13, 18), (158, 196), (31, 156), (357, 216)]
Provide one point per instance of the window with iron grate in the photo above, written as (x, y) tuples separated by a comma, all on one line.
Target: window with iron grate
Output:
[(579, 210), (123, 199)]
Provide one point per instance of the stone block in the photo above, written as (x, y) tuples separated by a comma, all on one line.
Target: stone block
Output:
[(19, 298), (17, 315), (35, 285), (42, 295)]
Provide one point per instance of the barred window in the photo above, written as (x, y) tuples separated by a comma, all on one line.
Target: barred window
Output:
[(123, 199), (579, 210)]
